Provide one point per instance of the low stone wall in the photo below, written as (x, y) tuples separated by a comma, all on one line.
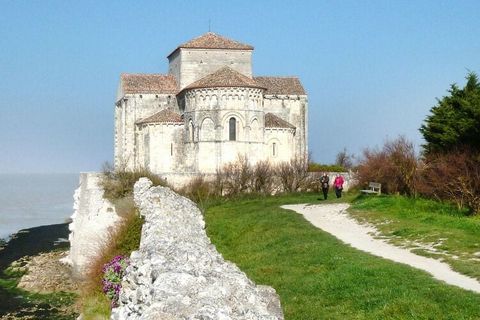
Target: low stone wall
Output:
[(348, 177), (92, 219), (178, 274)]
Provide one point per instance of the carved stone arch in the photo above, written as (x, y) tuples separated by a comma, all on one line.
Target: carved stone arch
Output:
[(213, 100), (233, 131), (235, 114), (254, 129), (207, 130), (191, 130)]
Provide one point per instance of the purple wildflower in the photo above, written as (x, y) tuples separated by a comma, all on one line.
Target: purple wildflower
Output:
[(113, 273)]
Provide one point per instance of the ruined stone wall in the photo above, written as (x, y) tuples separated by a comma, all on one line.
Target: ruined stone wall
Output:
[(348, 177), (92, 220), (178, 274)]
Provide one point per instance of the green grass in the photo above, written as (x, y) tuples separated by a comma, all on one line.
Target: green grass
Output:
[(406, 221), (319, 277)]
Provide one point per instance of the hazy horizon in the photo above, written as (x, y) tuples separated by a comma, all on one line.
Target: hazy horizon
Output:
[(31, 200)]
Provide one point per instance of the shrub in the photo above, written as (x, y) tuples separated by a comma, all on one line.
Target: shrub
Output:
[(236, 176), (199, 190), (294, 176), (394, 166), (317, 167), (453, 176), (118, 183), (240, 177), (262, 178)]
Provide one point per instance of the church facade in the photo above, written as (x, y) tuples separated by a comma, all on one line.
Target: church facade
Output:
[(206, 112)]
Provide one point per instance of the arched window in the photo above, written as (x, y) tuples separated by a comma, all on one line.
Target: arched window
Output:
[(207, 130), (274, 149), (232, 129), (192, 135)]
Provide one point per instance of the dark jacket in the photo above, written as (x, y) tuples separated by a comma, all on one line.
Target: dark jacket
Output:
[(324, 182)]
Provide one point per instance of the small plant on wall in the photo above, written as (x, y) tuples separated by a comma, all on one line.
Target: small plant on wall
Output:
[(113, 273)]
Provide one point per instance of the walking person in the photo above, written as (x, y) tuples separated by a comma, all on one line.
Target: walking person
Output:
[(338, 185), (324, 180)]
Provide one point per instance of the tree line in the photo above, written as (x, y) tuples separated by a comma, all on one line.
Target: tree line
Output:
[(448, 167)]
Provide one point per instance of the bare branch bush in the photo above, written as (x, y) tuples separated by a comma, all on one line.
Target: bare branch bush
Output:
[(453, 176), (394, 166), (237, 176), (263, 178), (294, 175), (198, 190)]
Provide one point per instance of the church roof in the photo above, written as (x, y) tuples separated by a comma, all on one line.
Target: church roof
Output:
[(273, 121), (212, 40), (164, 116), (225, 77), (281, 85), (148, 83)]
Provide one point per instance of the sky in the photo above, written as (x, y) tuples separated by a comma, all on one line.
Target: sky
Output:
[(372, 69)]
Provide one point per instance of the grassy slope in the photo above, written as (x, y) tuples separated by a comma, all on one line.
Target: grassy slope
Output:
[(317, 276), (408, 221)]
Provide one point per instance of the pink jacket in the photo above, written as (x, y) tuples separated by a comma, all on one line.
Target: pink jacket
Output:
[(338, 183)]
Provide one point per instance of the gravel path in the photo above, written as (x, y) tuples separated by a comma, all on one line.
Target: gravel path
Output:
[(334, 219)]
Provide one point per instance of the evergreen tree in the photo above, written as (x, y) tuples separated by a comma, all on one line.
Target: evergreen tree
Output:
[(455, 121)]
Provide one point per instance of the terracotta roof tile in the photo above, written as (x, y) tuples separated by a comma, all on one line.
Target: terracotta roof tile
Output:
[(164, 116), (272, 121), (281, 85), (148, 83), (212, 40), (224, 77)]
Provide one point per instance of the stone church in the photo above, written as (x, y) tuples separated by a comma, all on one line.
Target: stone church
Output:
[(208, 110)]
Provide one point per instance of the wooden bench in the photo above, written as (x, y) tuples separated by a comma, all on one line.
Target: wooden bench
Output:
[(374, 187)]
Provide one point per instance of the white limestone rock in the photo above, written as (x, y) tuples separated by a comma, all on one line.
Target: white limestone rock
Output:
[(92, 220), (178, 274)]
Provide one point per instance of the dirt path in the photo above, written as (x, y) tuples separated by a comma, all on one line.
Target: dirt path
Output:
[(334, 219)]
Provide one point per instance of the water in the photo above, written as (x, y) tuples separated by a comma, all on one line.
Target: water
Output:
[(30, 200)]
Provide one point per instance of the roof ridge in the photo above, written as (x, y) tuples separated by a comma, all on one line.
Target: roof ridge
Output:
[(281, 85), (212, 40), (148, 83), (274, 121), (224, 77), (165, 115), (283, 77), (146, 74)]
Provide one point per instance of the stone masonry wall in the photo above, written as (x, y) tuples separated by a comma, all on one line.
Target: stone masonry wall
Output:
[(178, 274), (92, 219), (348, 177)]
